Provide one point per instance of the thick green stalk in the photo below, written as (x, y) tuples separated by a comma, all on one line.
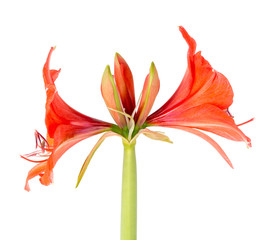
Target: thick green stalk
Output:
[(129, 193)]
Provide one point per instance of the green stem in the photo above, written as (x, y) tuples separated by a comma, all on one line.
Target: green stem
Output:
[(129, 193)]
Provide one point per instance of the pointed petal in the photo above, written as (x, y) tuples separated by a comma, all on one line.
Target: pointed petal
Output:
[(47, 74), (149, 93), (186, 84), (189, 40), (191, 51), (209, 118), (208, 139), (125, 84), (111, 97), (91, 154), (155, 135)]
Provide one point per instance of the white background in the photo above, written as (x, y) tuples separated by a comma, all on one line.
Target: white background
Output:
[(185, 189)]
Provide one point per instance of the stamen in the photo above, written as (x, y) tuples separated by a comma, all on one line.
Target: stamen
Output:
[(41, 142), (43, 153), (250, 120), (33, 161), (136, 108), (130, 125), (229, 114)]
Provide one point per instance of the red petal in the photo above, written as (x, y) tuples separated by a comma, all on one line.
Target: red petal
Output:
[(49, 76), (201, 84), (68, 135), (65, 137), (186, 84), (54, 74), (60, 113), (209, 86), (208, 139), (206, 117), (35, 171), (190, 41), (181, 93), (125, 84), (148, 95)]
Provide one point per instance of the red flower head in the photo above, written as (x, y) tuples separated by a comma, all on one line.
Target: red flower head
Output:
[(201, 102), (65, 127)]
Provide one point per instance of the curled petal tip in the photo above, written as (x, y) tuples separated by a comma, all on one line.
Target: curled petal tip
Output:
[(190, 41), (27, 187)]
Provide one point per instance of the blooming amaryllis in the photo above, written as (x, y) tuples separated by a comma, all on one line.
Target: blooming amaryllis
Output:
[(199, 104)]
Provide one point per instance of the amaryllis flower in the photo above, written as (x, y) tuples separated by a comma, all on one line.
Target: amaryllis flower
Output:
[(200, 102)]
